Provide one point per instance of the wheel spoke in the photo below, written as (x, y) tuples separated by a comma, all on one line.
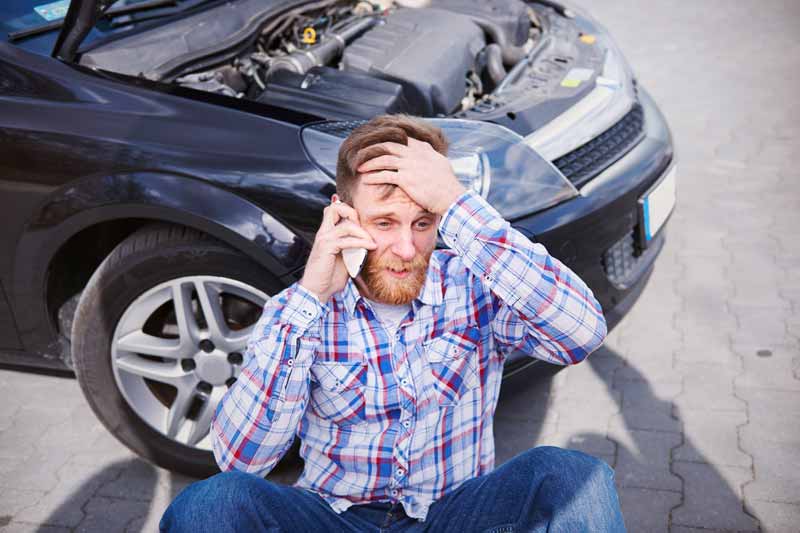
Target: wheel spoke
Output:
[(237, 340), (208, 296), (176, 416), (170, 372), (141, 342), (203, 423), (184, 314)]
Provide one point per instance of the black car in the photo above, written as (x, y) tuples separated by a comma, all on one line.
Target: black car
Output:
[(165, 164)]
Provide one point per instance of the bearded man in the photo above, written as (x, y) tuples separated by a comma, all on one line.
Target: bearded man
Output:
[(390, 379)]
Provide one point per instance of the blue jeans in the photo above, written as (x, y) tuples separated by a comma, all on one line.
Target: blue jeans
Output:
[(543, 489)]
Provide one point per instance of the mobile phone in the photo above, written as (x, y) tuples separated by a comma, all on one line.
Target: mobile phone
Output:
[(353, 258)]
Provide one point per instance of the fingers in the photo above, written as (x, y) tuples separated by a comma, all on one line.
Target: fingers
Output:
[(415, 143), (352, 242), (381, 163), (393, 148), (350, 229), (374, 151), (381, 176), (334, 213)]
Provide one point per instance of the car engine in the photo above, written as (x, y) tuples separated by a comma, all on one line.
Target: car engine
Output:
[(340, 59)]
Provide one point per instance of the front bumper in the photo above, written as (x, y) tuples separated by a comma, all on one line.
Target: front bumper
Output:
[(589, 231)]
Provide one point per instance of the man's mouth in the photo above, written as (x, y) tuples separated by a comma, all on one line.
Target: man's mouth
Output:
[(398, 273)]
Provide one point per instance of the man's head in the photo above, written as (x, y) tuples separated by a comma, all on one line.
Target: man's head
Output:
[(404, 232)]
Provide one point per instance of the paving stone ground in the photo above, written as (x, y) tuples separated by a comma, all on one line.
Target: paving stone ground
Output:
[(695, 398)]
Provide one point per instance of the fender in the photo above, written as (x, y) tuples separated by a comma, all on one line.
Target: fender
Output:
[(158, 196)]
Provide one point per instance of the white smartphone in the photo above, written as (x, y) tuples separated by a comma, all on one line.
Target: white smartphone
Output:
[(353, 258)]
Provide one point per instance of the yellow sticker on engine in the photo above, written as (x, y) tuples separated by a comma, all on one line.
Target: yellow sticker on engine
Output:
[(309, 36), (588, 39)]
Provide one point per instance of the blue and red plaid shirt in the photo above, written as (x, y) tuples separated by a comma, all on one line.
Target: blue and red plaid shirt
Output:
[(404, 417)]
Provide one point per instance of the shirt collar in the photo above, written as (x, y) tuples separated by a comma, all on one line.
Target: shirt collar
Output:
[(431, 293)]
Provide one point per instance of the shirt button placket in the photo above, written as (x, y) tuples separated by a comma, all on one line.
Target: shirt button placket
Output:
[(405, 383)]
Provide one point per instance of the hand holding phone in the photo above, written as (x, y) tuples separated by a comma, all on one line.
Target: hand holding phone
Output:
[(339, 251)]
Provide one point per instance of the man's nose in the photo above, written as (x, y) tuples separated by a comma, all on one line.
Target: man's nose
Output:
[(403, 247)]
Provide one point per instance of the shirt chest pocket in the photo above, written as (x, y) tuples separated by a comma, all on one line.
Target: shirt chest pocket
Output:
[(453, 361), (338, 391)]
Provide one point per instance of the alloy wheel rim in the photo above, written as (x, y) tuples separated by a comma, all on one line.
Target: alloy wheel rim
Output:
[(179, 346)]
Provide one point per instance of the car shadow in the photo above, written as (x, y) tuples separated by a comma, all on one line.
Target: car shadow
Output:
[(123, 496), (655, 490)]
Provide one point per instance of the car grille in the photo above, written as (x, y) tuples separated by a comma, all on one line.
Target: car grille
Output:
[(588, 160), (624, 262), (619, 260)]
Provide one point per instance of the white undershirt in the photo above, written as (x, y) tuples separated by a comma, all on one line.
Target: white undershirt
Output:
[(389, 315)]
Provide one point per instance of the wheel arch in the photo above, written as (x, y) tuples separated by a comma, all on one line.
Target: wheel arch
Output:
[(77, 227)]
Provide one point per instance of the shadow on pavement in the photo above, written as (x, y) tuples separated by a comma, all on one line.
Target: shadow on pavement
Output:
[(118, 497), (647, 434)]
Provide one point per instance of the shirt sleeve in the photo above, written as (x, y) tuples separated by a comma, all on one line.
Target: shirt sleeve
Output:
[(539, 305), (255, 422)]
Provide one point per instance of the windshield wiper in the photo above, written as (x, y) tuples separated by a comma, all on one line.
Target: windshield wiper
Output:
[(110, 13)]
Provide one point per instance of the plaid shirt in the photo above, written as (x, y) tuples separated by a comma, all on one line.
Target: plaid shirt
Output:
[(405, 417)]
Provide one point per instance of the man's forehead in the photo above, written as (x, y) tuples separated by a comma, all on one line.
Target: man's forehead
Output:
[(374, 201)]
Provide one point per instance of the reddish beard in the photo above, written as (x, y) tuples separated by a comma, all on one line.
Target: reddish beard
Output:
[(386, 289)]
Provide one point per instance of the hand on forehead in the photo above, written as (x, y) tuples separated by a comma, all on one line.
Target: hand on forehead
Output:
[(424, 174)]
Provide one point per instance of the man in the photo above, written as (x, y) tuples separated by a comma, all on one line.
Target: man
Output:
[(391, 379)]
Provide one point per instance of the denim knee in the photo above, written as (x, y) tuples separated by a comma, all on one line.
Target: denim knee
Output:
[(217, 500), (571, 466)]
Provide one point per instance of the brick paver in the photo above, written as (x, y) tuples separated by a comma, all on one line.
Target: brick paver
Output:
[(694, 400)]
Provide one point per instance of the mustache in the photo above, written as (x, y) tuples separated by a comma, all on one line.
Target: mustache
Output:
[(417, 263)]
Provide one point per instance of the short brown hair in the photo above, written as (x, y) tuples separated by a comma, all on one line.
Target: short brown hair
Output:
[(358, 147)]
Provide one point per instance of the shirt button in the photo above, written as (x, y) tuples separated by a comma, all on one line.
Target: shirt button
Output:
[(406, 423), (395, 492), (290, 362), (400, 472), (404, 382)]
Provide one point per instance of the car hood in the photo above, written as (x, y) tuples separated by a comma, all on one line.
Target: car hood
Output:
[(81, 18)]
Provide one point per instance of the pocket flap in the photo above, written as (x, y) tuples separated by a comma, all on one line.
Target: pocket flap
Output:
[(453, 344), (339, 376)]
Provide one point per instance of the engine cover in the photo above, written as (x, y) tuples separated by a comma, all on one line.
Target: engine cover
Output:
[(428, 51)]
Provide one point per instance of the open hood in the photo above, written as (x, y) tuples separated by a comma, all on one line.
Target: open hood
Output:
[(81, 17)]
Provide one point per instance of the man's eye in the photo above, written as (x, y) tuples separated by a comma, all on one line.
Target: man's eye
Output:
[(423, 225), (383, 224)]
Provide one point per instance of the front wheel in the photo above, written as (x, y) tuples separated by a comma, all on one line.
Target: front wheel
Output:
[(159, 336)]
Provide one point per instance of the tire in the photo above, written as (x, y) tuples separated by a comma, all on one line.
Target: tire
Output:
[(156, 261)]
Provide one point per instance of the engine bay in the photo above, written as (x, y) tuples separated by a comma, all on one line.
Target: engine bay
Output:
[(344, 59)]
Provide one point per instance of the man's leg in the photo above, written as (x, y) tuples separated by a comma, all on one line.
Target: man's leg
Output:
[(236, 501), (543, 489)]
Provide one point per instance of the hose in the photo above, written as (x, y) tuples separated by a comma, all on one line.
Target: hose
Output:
[(511, 54), (494, 63)]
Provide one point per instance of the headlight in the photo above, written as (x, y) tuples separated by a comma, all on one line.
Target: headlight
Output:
[(489, 158), (612, 97)]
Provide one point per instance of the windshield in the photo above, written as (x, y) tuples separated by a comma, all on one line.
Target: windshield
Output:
[(21, 15)]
